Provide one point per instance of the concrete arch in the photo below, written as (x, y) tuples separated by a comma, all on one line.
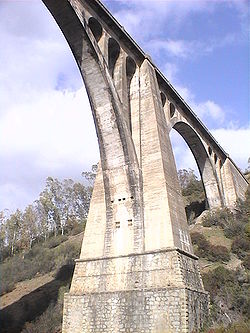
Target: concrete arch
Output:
[(130, 71), (121, 174), (171, 110), (96, 28), (207, 172), (113, 54), (163, 99)]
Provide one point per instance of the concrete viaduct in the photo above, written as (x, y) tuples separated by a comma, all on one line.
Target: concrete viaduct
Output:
[(137, 271)]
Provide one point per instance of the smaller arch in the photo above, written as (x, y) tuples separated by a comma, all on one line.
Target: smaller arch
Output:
[(209, 150), (113, 54), (172, 110), (130, 67), (96, 28), (130, 71), (163, 99), (207, 172), (220, 164), (215, 158)]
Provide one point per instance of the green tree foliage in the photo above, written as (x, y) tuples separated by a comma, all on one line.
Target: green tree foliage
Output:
[(62, 207), (41, 259), (193, 194), (13, 231), (29, 228), (192, 188), (90, 175), (235, 224), (229, 296)]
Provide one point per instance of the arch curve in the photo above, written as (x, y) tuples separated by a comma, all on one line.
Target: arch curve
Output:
[(207, 173), (130, 67), (113, 54), (163, 98), (171, 110), (96, 28)]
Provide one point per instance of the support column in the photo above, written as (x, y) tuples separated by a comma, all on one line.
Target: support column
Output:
[(164, 213), (234, 183)]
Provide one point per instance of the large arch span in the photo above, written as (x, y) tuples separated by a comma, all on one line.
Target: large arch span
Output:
[(205, 167)]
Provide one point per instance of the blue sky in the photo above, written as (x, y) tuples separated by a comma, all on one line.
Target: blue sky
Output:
[(46, 128)]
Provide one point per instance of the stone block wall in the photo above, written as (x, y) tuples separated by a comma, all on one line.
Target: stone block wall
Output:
[(158, 292), (164, 310)]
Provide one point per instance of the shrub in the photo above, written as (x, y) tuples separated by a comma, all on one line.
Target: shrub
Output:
[(216, 279), (236, 227), (225, 289), (50, 321), (206, 250), (78, 228), (234, 328), (34, 251), (39, 259), (246, 261), (46, 261), (55, 241), (247, 229), (6, 287), (218, 253), (240, 245), (197, 238), (219, 217)]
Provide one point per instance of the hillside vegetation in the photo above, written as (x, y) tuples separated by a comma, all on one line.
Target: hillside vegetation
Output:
[(39, 245)]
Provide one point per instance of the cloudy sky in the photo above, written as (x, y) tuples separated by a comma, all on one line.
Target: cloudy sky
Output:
[(46, 127)]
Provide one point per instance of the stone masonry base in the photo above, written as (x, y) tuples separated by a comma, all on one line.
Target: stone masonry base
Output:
[(168, 310)]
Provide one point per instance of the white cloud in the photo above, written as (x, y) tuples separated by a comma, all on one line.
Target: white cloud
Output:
[(170, 70), (145, 20), (139, 17), (46, 126), (188, 49), (210, 110), (177, 48), (53, 135), (235, 142), (53, 122)]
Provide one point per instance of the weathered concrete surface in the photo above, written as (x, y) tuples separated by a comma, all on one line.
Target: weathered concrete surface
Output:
[(137, 271)]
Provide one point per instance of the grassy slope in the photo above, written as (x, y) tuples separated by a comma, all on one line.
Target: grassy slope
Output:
[(39, 299)]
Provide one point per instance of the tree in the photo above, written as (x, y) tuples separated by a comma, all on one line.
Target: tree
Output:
[(47, 210), (29, 228), (3, 244), (89, 176), (12, 229), (185, 177), (82, 196), (192, 188)]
